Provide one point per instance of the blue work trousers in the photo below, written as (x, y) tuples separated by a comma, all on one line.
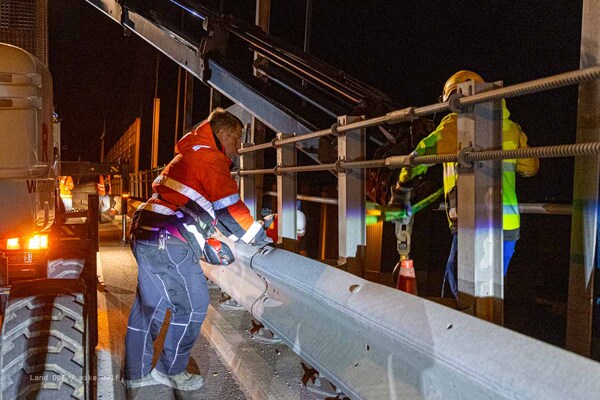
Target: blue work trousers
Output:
[(451, 275), (168, 277)]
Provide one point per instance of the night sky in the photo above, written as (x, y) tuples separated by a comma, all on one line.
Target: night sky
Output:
[(406, 49)]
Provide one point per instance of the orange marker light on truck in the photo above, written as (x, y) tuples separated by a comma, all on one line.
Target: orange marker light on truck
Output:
[(37, 242), (12, 244)]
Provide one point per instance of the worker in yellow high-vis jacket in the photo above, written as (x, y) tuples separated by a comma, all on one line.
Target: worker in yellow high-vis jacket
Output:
[(444, 141)]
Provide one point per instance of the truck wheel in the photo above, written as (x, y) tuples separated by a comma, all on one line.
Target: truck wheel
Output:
[(43, 342), (73, 259)]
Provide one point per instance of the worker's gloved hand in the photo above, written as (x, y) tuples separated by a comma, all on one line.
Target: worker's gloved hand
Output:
[(193, 237), (267, 221), (400, 198), (261, 239), (217, 253), (192, 214)]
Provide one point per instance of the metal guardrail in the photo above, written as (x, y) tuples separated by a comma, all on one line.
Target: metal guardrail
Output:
[(375, 342)]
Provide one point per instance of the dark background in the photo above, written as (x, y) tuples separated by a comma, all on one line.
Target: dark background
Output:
[(406, 49)]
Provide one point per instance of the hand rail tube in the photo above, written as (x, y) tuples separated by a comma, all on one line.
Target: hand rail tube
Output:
[(562, 150)]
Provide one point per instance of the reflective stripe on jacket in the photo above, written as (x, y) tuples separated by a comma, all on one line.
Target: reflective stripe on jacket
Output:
[(199, 178), (444, 141), (103, 185)]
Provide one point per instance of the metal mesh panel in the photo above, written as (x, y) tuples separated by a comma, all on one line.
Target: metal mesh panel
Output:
[(23, 23)]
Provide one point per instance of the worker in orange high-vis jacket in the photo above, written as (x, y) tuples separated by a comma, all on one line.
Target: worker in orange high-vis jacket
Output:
[(66, 186), (193, 195), (103, 190)]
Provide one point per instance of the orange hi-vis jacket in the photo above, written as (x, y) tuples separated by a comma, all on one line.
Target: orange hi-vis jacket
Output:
[(103, 185), (199, 178), (66, 185)]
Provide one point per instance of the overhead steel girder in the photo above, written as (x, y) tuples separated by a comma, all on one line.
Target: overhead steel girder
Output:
[(265, 109), (187, 56), (375, 342), (86, 168)]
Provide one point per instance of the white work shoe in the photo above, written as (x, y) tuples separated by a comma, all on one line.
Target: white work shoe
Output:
[(147, 380), (182, 381)]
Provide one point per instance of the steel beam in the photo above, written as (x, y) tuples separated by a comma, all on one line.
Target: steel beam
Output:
[(186, 55), (480, 268), (374, 342), (86, 168), (261, 107)]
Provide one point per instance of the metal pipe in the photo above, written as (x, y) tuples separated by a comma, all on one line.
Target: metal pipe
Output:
[(312, 199), (524, 208), (272, 77), (563, 150), (257, 147), (534, 208), (535, 86), (243, 172), (307, 136), (308, 26), (363, 164), (307, 168), (284, 61), (545, 208), (190, 10)]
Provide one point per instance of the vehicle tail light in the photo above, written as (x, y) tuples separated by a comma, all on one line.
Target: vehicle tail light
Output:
[(12, 244), (37, 242)]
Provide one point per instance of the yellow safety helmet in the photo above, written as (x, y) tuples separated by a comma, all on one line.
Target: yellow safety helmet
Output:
[(458, 78)]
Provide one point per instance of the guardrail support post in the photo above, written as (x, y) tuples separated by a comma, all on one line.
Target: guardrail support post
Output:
[(286, 196), (352, 235), (480, 267)]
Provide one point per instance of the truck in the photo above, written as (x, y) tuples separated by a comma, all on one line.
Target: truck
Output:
[(48, 275)]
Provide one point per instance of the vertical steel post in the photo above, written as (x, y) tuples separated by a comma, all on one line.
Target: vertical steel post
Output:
[(480, 267), (248, 182), (253, 184), (351, 199), (155, 133), (124, 237), (583, 285), (177, 101), (286, 195), (262, 16), (188, 102), (215, 99), (125, 192)]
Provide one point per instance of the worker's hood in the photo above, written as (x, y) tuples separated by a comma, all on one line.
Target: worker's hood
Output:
[(200, 138)]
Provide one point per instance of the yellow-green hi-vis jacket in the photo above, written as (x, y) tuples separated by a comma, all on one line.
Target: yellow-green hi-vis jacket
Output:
[(444, 141)]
